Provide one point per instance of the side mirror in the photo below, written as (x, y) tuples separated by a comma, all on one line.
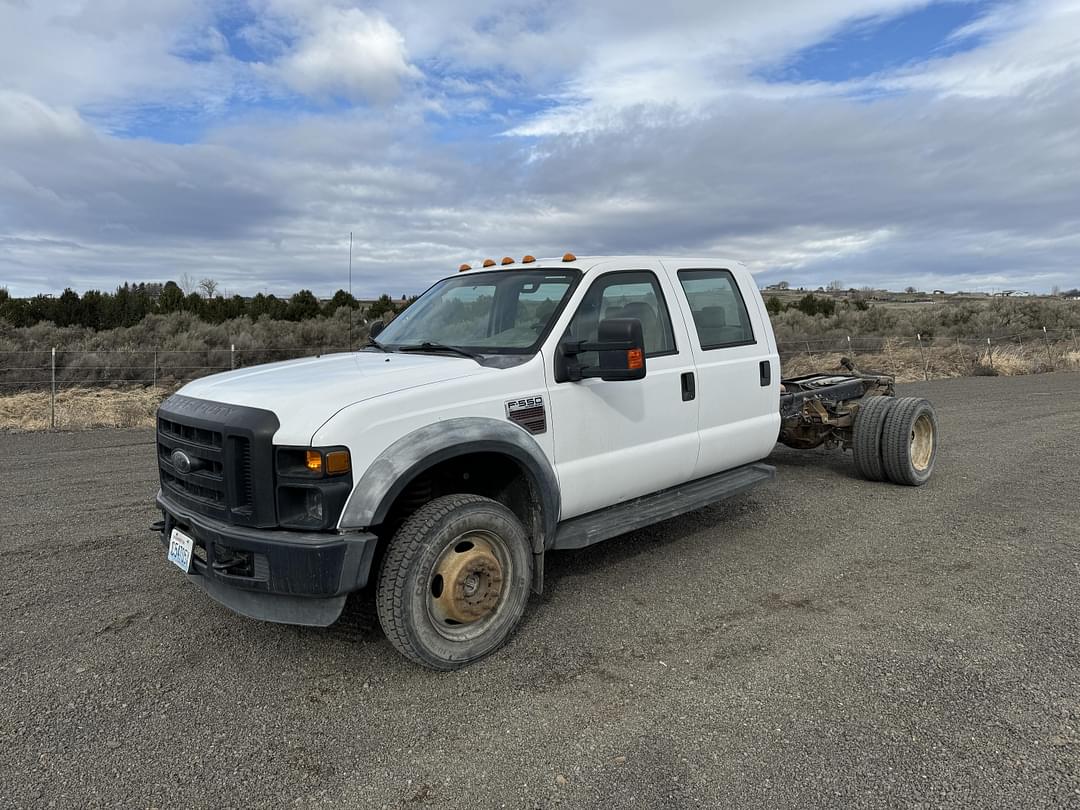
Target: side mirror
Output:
[(620, 348), (376, 328)]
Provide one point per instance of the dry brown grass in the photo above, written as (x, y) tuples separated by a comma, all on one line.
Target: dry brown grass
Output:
[(79, 408), (910, 364)]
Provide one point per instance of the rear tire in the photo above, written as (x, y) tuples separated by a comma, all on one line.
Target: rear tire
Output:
[(909, 442), (454, 581), (869, 425)]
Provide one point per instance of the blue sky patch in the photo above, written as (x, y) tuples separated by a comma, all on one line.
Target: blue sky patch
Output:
[(874, 45)]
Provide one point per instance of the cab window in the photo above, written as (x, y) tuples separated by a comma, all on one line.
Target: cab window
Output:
[(625, 295), (718, 308)]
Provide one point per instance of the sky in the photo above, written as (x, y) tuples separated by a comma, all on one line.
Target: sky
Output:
[(873, 142)]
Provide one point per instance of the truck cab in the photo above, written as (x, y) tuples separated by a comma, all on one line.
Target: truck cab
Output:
[(513, 410)]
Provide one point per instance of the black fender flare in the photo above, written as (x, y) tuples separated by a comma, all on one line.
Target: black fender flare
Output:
[(402, 461)]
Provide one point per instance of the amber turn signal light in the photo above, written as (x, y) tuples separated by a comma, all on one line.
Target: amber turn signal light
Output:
[(635, 359), (337, 462), (313, 460)]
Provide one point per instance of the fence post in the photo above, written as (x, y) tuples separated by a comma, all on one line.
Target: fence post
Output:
[(960, 354), (990, 353), (1049, 356), (52, 398), (232, 355), (155, 368), (850, 352), (922, 351), (809, 353)]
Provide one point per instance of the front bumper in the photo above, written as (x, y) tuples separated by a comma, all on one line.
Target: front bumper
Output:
[(275, 575)]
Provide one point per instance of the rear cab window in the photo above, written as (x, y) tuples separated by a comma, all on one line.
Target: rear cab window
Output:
[(718, 308)]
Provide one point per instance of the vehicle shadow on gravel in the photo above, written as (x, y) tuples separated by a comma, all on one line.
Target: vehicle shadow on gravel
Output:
[(569, 564), (835, 461)]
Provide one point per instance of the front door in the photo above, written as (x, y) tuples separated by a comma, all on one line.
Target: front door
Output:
[(614, 441)]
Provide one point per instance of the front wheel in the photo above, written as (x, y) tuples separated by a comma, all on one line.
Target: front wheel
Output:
[(454, 581)]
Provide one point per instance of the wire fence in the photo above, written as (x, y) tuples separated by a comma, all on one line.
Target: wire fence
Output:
[(55, 370), (925, 357)]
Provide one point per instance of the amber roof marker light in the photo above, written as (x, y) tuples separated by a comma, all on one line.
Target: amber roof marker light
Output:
[(528, 259), (569, 257), (489, 262), (507, 260), (464, 267)]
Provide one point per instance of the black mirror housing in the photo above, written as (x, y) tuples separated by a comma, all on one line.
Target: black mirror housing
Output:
[(620, 347), (376, 328)]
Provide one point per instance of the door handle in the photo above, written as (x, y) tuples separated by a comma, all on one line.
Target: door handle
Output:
[(765, 368), (689, 387)]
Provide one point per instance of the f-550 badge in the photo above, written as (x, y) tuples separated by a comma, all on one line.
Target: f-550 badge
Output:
[(529, 412)]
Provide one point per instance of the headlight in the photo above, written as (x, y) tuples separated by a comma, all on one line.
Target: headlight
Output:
[(313, 484), (312, 462)]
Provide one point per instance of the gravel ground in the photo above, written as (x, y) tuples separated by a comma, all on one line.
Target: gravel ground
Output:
[(820, 641)]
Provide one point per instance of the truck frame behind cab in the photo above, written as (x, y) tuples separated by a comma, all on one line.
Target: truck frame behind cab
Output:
[(892, 439)]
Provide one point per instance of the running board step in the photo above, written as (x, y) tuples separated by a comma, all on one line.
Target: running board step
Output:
[(644, 511)]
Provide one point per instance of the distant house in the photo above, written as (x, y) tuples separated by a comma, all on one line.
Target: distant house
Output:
[(940, 292)]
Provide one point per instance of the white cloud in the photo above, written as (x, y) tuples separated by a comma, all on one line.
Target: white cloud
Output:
[(347, 53)]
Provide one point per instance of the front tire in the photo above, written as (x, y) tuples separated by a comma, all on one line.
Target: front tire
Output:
[(454, 581)]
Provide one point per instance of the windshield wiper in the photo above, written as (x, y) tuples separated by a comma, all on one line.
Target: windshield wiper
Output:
[(430, 346), (372, 343)]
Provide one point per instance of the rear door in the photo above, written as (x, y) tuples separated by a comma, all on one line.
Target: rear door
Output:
[(737, 366), (614, 441)]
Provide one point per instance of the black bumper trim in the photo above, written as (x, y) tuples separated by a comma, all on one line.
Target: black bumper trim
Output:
[(274, 607), (290, 571)]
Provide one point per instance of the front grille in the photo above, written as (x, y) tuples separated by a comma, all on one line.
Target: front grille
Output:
[(228, 472), (205, 482), (189, 433), (211, 495), (245, 487)]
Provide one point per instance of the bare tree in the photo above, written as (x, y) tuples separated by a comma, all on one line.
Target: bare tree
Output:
[(910, 290), (187, 284), (1055, 291), (835, 286), (208, 286), (783, 285)]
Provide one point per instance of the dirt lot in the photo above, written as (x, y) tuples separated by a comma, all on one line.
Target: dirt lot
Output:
[(820, 641)]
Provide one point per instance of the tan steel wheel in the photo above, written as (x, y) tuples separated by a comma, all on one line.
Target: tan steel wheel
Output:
[(909, 442), (467, 584), (922, 442), (454, 581)]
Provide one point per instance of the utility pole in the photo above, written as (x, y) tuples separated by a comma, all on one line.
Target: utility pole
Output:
[(351, 312)]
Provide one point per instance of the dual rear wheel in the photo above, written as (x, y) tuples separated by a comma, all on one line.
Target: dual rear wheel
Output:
[(896, 439)]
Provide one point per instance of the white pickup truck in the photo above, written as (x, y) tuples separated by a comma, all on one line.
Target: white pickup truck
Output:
[(512, 410)]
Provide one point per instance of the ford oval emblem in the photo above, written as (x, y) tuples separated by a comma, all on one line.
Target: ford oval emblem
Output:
[(181, 461)]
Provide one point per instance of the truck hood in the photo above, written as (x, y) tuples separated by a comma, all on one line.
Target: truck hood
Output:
[(305, 393)]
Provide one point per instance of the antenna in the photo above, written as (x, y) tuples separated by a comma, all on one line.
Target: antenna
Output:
[(352, 312)]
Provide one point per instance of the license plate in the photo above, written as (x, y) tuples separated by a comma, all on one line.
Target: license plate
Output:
[(180, 546)]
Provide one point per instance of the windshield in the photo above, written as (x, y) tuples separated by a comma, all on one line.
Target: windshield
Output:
[(503, 312)]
